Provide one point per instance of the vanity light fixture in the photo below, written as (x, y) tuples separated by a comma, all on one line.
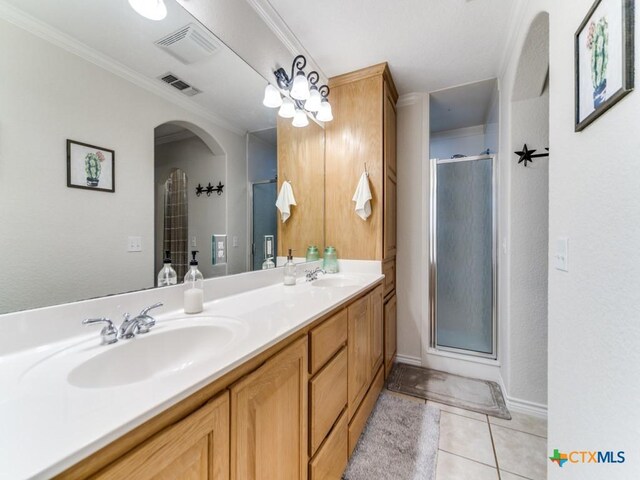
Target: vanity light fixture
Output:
[(151, 9), (298, 94)]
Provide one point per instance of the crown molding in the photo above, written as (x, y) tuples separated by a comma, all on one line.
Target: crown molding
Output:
[(36, 27), (278, 26)]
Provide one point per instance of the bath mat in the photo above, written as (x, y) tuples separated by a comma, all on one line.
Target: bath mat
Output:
[(400, 441), (480, 396)]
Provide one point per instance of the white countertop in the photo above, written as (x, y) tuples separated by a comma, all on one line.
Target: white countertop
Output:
[(48, 425)]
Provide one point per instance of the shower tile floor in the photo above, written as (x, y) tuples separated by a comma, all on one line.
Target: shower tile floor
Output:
[(479, 447)]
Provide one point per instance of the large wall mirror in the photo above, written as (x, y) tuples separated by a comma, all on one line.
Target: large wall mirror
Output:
[(152, 110)]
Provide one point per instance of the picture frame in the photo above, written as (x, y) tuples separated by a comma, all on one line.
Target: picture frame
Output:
[(90, 167), (604, 56)]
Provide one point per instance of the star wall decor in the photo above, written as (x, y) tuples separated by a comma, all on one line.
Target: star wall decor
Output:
[(527, 155)]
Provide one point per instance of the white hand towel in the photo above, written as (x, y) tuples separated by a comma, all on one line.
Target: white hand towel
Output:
[(362, 197), (285, 200)]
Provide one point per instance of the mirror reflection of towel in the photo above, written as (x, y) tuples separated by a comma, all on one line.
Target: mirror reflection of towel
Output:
[(363, 197), (285, 200)]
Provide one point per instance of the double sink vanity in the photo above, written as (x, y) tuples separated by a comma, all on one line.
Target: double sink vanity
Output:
[(272, 381)]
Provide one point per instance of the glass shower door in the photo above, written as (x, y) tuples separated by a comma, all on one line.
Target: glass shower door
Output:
[(463, 255)]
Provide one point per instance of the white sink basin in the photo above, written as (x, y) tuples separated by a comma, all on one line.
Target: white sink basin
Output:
[(149, 355), (337, 282), (169, 348)]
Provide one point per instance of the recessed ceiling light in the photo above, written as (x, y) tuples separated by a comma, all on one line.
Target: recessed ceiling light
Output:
[(151, 9)]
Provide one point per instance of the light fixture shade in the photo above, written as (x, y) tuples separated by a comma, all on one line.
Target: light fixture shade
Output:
[(151, 9), (300, 119), (300, 87), (288, 109), (324, 114), (313, 102), (272, 98)]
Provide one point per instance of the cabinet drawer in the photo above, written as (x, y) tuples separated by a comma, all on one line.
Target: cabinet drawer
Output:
[(328, 397), (389, 271), (331, 459), (326, 339), (366, 407)]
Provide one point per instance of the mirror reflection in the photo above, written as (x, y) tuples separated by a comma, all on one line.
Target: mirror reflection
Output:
[(179, 110)]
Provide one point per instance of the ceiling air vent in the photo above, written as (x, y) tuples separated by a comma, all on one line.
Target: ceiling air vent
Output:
[(179, 84), (189, 44)]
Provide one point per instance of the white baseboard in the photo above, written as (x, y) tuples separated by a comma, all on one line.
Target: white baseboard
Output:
[(524, 406), (409, 360)]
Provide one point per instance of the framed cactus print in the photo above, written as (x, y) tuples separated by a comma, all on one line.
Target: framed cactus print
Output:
[(604, 45), (90, 167)]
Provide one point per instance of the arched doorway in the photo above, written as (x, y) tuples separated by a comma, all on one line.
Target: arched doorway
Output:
[(185, 155)]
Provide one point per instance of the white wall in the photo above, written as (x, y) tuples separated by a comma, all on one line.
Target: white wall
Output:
[(528, 251), (593, 310), (469, 141), (413, 156), (207, 215), (62, 244)]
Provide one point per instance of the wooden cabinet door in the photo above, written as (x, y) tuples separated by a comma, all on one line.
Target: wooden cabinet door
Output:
[(269, 419), (359, 353), (196, 448), (377, 328), (390, 333), (390, 176)]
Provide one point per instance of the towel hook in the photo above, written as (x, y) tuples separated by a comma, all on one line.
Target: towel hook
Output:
[(366, 172)]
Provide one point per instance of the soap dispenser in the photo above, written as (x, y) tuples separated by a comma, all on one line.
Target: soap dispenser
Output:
[(193, 287), (290, 270), (167, 275), (268, 263)]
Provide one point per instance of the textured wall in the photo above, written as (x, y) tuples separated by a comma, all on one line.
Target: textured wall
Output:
[(528, 249)]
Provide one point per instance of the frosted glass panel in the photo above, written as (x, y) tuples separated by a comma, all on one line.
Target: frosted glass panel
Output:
[(464, 264)]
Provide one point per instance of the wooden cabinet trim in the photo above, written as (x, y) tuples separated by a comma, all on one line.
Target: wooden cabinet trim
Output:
[(206, 426), (326, 339), (367, 72), (366, 407), (327, 398)]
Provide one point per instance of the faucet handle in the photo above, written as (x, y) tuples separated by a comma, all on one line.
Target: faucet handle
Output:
[(148, 309), (109, 334)]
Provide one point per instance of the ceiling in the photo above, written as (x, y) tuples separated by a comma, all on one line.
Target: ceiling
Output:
[(429, 44), (461, 107), (232, 90)]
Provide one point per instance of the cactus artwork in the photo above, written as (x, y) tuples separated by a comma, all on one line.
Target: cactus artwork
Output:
[(93, 167), (598, 43)]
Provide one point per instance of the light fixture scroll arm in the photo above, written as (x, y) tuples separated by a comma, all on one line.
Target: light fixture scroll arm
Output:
[(324, 91)]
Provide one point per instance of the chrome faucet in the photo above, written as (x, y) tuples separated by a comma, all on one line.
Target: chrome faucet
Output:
[(141, 323), (313, 274), (109, 334)]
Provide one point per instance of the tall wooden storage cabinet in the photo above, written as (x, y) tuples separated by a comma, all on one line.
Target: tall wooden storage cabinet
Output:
[(363, 133)]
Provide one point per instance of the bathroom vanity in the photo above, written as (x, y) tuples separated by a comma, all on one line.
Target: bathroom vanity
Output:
[(279, 386)]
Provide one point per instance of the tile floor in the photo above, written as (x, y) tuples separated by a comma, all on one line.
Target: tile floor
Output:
[(475, 446)]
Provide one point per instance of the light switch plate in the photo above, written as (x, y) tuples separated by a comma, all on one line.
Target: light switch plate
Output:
[(561, 257), (218, 249)]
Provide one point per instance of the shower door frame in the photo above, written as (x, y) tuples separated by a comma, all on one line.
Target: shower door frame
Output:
[(433, 267)]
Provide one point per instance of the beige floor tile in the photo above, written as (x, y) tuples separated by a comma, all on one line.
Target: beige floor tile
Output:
[(510, 476), (458, 411), (453, 467), (406, 397), (466, 437), (520, 453), (523, 423)]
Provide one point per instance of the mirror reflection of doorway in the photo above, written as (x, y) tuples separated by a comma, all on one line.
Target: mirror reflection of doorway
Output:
[(264, 223), (176, 220)]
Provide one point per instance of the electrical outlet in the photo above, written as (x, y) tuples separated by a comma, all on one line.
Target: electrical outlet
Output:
[(135, 244)]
